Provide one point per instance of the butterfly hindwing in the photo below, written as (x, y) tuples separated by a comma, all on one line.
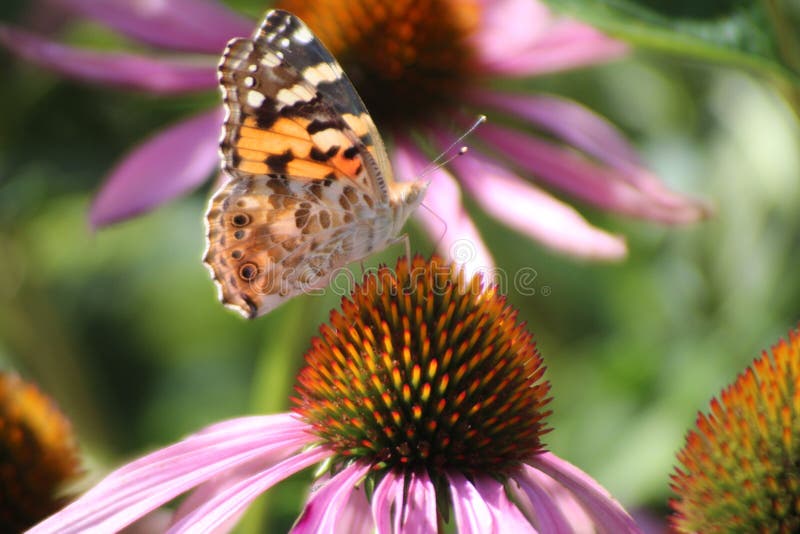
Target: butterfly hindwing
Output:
[(272, 238)]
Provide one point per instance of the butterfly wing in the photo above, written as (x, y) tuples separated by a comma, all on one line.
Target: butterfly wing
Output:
[(307, 170)]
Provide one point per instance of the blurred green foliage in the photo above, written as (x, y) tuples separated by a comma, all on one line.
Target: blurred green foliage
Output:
[(123, 328)]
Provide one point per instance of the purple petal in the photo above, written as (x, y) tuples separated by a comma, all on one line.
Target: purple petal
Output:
[(598, 503), (221, 511), (442, 213), (588, 180), (421, 515), (533, 212), (327, 502), (168, 165), (126, 70), (192, 25), (523, 38), (141, 486)]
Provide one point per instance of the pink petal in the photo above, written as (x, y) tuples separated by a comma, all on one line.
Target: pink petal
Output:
[(533, 212), (588, 180), (509, 27), (327, 503), (356, 516), (192, 25), (141, 486), (523, 38), (442, 213), (218, 513), (387, 501), (164, 167), (604, 509), (420, 509), (130, 71)]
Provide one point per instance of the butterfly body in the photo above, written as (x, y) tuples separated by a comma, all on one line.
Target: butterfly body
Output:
[(309, 185)]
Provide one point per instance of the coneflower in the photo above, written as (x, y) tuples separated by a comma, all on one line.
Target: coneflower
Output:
[(424, 399), (740, 468)]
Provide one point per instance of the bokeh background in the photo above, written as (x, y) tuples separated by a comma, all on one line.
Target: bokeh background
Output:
[(122, 326)]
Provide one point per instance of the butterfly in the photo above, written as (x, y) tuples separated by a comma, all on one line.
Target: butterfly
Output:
[(309, 186)]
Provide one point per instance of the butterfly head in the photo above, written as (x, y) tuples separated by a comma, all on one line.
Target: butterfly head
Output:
[(406, 197)]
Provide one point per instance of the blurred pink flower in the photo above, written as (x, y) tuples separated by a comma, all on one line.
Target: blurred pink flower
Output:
[(435, 415), (585, 156)]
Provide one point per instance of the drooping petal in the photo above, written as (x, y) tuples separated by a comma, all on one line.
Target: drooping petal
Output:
[(218, 513), (531, 211), (420, 515), (586, 179), (523, 38), (591, 133), (168, 165), (327, 503), (505, 514), (130, 71), (596, 501), (442, 213), (141, 486), (549, 506), (471, 513), (572, 122), (192, 25)]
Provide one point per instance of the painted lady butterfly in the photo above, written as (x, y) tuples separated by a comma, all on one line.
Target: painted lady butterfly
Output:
[(309, 186)]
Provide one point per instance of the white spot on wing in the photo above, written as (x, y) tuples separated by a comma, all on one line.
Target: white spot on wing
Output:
[(255, 99), (296, 93), (318, 74), (303, 35), (270, 60)]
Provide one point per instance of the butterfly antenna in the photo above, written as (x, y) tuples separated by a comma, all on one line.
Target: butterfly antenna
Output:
[(433, 165)]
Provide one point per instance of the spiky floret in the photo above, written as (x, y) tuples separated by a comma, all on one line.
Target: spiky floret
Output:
[(37, 454), (408, 59), (422, 369), (740, 467)]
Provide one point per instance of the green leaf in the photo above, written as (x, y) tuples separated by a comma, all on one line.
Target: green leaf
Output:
[(755, 34)]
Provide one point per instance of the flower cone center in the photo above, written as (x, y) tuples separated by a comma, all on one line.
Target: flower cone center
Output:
[(422, 369)]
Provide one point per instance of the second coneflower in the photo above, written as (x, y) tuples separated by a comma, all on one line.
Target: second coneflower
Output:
[(38, 455), (425, 398), (425, 69), (740, 468)]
